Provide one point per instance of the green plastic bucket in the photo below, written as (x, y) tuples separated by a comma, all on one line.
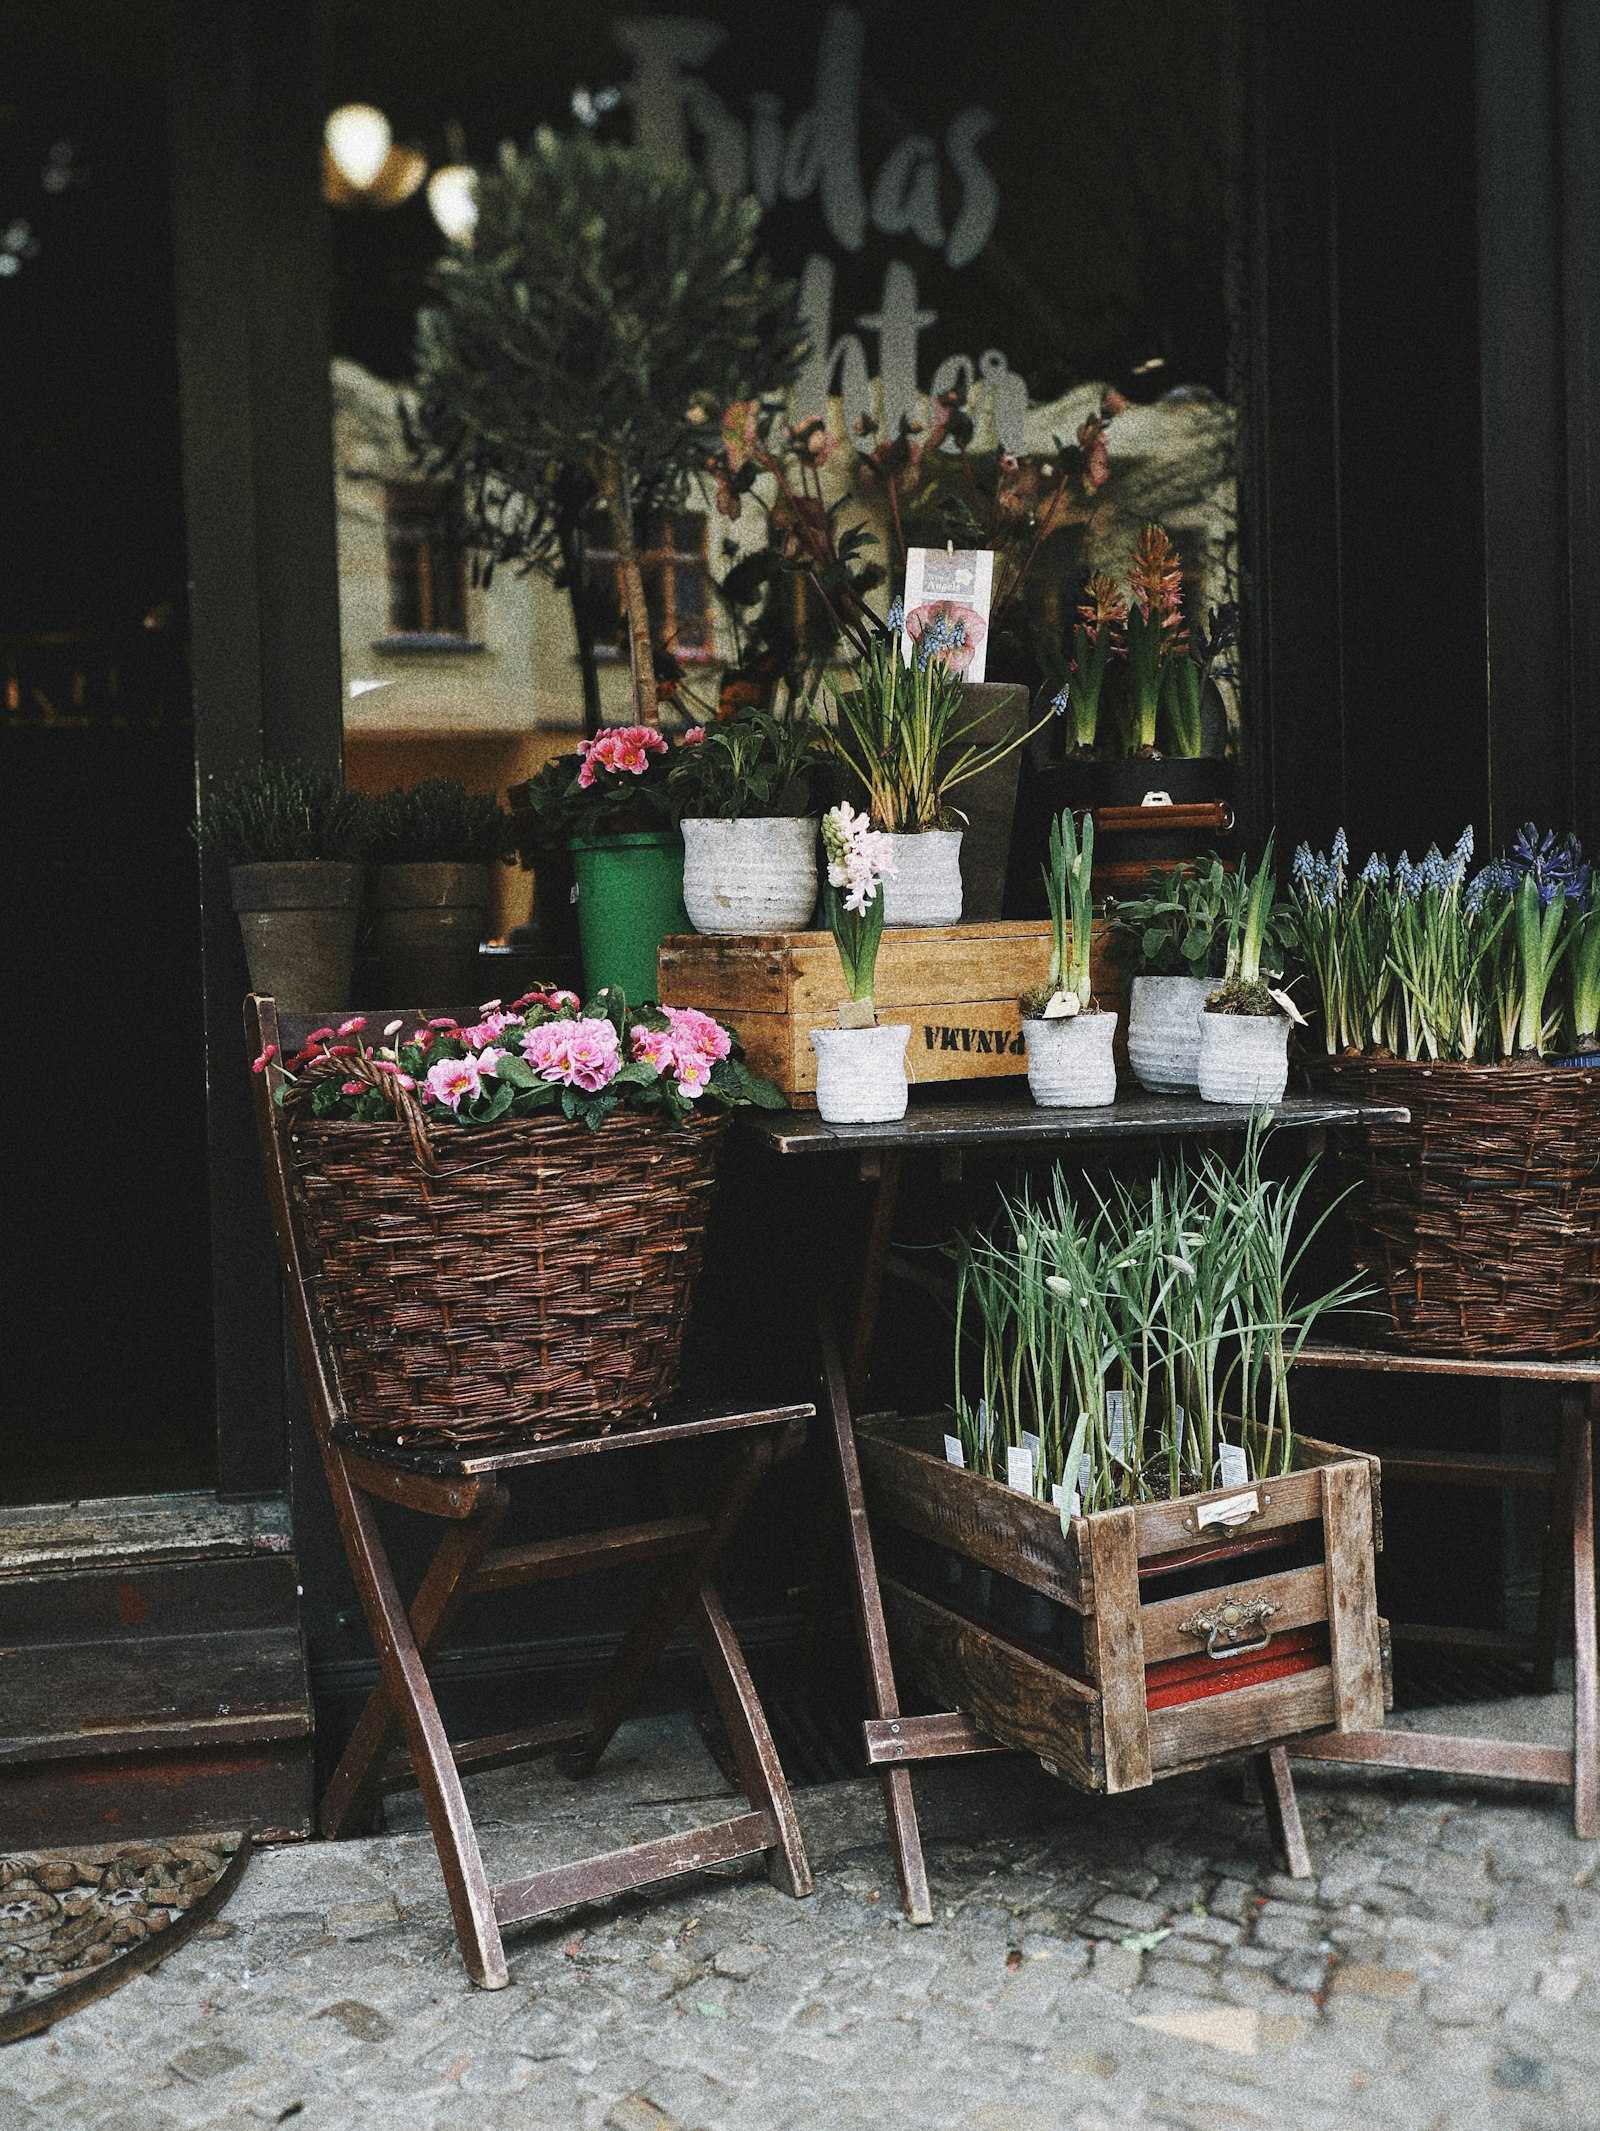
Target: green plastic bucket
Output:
[(630, 897)]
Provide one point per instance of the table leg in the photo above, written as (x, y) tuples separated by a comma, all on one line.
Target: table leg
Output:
[(869, 1295), (899, 1802), (1585, 1670)]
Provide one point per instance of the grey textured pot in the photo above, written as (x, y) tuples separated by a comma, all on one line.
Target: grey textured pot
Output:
[(925, 886), (428, 923), (299, 918), (1164, 1032), (1244, 1058), (758, 875), (861, 1073), (1070, 1065)]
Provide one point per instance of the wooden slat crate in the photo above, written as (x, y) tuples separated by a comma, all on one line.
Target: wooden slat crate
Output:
[(1102, 1651), (956, 985)]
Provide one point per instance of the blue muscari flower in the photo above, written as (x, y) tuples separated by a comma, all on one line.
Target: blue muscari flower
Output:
[(1463, 850), (1058, 704), (897, 616), (958, 634), (1300, 869), (1407, 877), (1376, 871), (1434, 872), (1341, 847)]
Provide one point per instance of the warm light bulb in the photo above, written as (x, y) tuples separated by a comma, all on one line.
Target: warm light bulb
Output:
[(453, 199), (358, 139)]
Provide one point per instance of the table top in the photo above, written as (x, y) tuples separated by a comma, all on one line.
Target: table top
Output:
[(995, 1117), (1365, 1351)]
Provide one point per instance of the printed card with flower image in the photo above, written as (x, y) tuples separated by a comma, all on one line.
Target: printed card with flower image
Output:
[(948, 592)]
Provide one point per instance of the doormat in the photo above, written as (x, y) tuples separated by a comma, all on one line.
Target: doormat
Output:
[(77, 1924)]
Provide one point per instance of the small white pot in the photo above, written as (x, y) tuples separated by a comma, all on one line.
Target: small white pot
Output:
[(1164, 1032), (925, 886), (1244, 1058), (861, 1073), (750, 876), (1070, 1066)]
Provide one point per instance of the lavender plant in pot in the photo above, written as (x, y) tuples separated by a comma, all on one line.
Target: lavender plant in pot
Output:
[(861, 1064), (1067, 1037), (745, 789), (1173, 941), (1244, 1028)]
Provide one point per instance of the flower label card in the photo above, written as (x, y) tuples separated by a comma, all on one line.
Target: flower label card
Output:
[(948, 592)]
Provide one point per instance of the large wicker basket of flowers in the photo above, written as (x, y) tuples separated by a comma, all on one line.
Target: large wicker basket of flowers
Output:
[(504, 1221), (1472, 1001)]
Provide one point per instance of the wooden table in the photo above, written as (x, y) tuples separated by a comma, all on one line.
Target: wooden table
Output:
[(1569, 1535), (990, 1122)]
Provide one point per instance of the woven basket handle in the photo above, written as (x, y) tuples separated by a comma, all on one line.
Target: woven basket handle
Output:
[(401, 1100)]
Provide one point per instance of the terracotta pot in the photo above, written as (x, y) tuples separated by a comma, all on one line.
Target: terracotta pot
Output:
[(925, 887), (861, 1073), (1164, 1032), (428, 922), (299, 918), (1244, 1058), (750, 876), (1070, 1066)]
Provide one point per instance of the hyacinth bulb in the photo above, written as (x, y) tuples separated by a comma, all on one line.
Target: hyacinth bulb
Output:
[(358, 138)]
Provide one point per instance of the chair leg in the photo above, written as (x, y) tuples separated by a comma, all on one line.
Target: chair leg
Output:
[(438, 1780), (745, 1722), (674, 1595), (1585, 1661), (1283, 1811), (354, 1784)]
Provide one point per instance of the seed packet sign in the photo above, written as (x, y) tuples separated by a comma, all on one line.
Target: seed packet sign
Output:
[(948, 592)]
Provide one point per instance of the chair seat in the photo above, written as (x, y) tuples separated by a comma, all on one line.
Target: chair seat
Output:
[(438, 1461)]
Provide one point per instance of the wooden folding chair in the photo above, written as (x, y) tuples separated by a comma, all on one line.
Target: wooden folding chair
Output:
[(468, 1492)]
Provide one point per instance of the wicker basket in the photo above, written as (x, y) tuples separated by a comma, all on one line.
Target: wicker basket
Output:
[(536, 1283), (1481, 1217)]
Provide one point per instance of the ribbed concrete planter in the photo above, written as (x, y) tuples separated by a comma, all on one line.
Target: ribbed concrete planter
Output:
[(750, 876), (925, 887), (1164, 1032), (299, 918), (1070, 1066), (1244, 1058), (861, 1073), (428, 922)]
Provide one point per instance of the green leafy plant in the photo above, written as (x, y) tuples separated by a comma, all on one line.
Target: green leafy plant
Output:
[(278, 812), (753, 766), (1068, 876), (606, 298), (1585, 981), (1187, 675), (1179, 926), (1255, 927), (439, 821)]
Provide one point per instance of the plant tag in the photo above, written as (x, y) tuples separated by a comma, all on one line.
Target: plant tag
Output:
[(1233, 1509), (1062, 1006), (1085, 1474), (855, 1014), (1074, 1507), (1117, 1423), (1032, 1445), (1019, 1469), (1233, 1466), (947, 592), (1282, 999), (953, 1452), (983, 1422)]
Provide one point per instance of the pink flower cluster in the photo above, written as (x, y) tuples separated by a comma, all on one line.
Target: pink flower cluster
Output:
[(620, 748), (579, 1054), (454, 1080), (688, 1047)]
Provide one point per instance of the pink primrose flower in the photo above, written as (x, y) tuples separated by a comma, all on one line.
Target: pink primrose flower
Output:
[(356, 1021), (486, 1030), (694, 736), (452, 1080), (694, 1077), (620, 748), (695, 1031), (578, 1054), (653, 1047), (266, 1058)]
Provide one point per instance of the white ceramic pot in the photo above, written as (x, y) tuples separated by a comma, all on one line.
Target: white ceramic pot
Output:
[(925, 886), (861, 1073), (1164, 1032), (750, 876), (1244, 1058), (1070, 1066)]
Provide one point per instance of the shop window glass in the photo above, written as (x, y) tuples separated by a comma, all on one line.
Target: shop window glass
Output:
[(677, 590), (427, 569)]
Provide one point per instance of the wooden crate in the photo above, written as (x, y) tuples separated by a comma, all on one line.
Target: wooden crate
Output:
[(956, 985), (1150, 1683)]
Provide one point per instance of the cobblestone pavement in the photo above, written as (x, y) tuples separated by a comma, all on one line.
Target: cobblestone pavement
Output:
[(1094, 1963)]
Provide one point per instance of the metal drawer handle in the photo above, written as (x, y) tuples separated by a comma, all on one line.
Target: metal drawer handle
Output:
[(1233, 1627)]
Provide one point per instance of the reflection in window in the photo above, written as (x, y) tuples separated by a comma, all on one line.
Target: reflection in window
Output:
[(676, 572), (427, 569)]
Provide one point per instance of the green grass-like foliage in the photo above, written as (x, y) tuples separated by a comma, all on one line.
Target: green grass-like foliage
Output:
[(278, 812), (1140, 1329), (439, 821)]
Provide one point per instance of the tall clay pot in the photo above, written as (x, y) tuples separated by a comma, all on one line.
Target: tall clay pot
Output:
[(299, 919), (428, 922)]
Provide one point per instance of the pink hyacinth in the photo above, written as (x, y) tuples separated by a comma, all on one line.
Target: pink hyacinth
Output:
[(620, 749), (578, 1054), (453, 1080)]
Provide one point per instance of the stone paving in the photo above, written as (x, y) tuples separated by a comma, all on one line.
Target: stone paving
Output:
[(1094, 1964)]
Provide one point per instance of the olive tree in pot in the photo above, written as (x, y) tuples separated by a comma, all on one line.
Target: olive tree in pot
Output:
[(432, 847), (1067, 1037), (745, 791), (604, 303), (1244, 1027), (293, 840), (1173, 942)]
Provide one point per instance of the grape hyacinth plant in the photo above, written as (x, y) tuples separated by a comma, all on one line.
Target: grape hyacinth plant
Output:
[(859, 859)]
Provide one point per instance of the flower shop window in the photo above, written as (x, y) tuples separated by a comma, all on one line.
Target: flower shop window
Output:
[(675, 564), (427, 570)]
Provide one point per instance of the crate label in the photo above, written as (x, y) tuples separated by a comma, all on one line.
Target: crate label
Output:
[(953, 1452), (1233, 1466), (1019, 1469), (1232, 1509)]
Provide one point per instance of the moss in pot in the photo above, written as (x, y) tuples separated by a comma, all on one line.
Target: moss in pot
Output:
[(293, 840), (1244, 1028), (1068, 1038)]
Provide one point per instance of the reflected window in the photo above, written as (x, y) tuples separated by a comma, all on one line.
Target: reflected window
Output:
[(677, 589), (427, 567)]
